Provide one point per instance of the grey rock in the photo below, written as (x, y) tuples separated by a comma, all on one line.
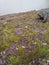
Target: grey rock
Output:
[(43, 15), (1, 61)]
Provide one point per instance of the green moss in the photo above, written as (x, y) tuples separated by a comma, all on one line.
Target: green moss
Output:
[(15, 60), (46, 36), (21, 51), (44, 49), (4, 45), (27, 58), (7, 30), (34, 32), (4, 42), (29, 44), (14, 38), (38, 42), (47, 32), (47, 40)]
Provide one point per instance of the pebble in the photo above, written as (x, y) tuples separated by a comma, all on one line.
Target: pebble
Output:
[(23, 46), (35, 43), (16, 48), (48, 50), (5, 23), (1, 62), (47, 61), (4, 52), (45, 44), (44, 60), (26, 26)]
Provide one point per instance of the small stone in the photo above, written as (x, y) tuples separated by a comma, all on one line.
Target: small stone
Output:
[(44, 60), (5, 22), (4, 52), (47, 61), (26, 26), (1, 62), (33, 61), (16, 48), (19, 31), (35, 43), (22, 35), (23, 46), (48, 50), (45, 44), (0, 55)]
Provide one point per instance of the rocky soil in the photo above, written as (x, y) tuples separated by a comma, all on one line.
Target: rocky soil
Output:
[(24, 39)]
